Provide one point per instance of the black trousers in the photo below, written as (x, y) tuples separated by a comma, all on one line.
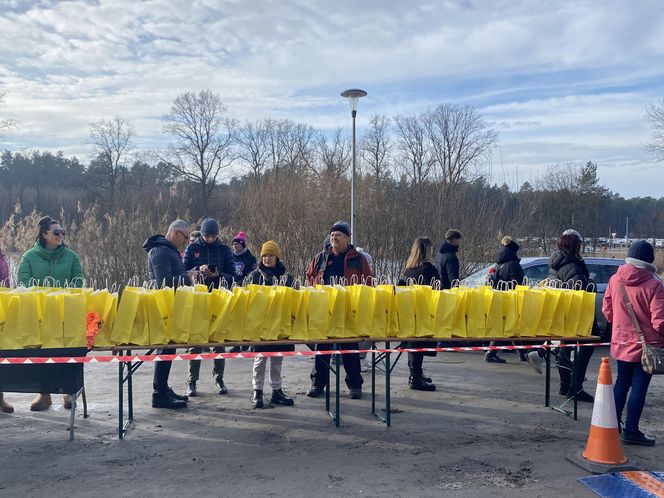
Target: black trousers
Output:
[(566, 367), (351, 366), (415, 364), (162, 370)]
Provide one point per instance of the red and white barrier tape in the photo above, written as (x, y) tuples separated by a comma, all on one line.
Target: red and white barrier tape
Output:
[(36, 360)]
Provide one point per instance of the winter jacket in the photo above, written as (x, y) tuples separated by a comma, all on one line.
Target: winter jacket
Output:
[(165, 268), (270, 276), (447, 264), (62, 266), (569, 268), (354, 265), (245, 263), (646, 294), (424, 274), (4, 270), (217, 254), (508, 267)]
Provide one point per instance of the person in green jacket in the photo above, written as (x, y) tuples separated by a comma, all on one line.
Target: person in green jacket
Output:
[(50, 262)]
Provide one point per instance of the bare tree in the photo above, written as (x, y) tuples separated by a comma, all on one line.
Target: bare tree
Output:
[(254, 149), (375, 147), (414, 155), (655, 114), (334, 153), (459, 140), (112, 145), (6, 125), (296, 144), (204, 140)]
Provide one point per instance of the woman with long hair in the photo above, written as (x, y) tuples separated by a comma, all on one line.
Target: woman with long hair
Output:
[(421, 271)]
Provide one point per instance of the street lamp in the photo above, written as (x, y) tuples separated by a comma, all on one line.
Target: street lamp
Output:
[(353, 95)]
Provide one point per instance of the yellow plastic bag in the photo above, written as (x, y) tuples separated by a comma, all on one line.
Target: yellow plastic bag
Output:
[(405, 307), (285, 325), (336, 308), (140, 331), (551, 298), (272, 323), (159, 316), (200, 319), (183, 306), (530, 302), (475, 318), (2, 319), (362, 305), (219, 312), (493, 310), (75, 320), (259, 303), (573, 317), (317, 311), (299, 331), (232, 326), (445, 303), (558, 322), (391, 311), (510, 314), (459, 319), (21, 328), (424, 312), (587, 318), (124, 320), (52, 335), (381, 318)]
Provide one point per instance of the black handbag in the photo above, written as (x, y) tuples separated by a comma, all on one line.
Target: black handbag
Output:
[(652, 359)]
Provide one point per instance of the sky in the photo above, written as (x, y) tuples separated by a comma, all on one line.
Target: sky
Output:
[(560, 81)]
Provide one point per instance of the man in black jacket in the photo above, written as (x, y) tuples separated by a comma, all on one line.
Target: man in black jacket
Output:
[(214, 260), (447, 262), (166, 269)]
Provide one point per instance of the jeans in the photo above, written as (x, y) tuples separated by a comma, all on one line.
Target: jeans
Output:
[(415, 364), (217, 369), (258, 378), (351, 362), (631, 375)]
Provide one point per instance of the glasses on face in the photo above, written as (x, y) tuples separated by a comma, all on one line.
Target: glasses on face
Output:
[(58, 233)]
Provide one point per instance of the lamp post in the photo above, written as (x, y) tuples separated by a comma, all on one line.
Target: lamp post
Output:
[(353, 95)]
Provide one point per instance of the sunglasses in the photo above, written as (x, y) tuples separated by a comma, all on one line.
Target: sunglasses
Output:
[(57, 233)]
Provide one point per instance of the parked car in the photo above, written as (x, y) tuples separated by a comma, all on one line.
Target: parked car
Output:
[(536, 269)]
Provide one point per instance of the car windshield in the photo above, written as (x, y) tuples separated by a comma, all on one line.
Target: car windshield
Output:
[(477, 278)]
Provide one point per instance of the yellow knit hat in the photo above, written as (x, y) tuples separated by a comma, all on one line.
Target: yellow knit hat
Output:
[(271, 247)]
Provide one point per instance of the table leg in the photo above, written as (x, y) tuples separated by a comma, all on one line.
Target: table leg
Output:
[(337, 372), (575, 374), (547, 388), (388, 374), (121, 397), (130, 393)]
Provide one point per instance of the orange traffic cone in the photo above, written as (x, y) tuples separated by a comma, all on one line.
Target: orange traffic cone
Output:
[(603, 451)]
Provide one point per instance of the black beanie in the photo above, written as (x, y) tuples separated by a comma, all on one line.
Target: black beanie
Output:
[(642, 250)]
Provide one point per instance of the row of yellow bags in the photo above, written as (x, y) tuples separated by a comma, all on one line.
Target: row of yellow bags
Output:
[(192, 315), (50, 317)]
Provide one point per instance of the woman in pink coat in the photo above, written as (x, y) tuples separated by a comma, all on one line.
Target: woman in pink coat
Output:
[(646, 293)]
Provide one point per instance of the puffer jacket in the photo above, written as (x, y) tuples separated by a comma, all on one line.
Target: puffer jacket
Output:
[(165, 267), (425, 274), (217, 254), (270, 276), (646, 293), (447, 264), (508, 267), (568, 268), (60, 266)]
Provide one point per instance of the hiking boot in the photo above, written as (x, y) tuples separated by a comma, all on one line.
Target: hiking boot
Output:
[(315, 392), (535, 361), (581, 396), (522, 355), (636, 437), (280, 398), (493, 358), (421, 384), (66, 401), (41, 402), (4, 406), (221, 387), (165, 400), (356, 393), (257, 398), (563, 390), (191, 389), (179, 397)]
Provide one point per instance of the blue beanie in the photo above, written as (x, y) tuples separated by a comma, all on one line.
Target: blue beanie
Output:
[(642, 250), (209, 227)]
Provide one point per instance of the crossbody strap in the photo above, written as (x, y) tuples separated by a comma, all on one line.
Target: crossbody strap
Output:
[(630, 310), (55, 263)]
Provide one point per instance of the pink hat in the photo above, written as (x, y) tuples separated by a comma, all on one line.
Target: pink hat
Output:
[(241, 238)]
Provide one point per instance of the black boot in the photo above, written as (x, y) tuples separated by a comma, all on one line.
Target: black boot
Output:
[(280, 398), (419, 383), (179, 397), (191, 389), (221, 387), (257, 398), (492, 357), (165, 400)]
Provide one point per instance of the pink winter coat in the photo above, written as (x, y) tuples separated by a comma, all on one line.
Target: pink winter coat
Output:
[(4, 270), (646, 293)]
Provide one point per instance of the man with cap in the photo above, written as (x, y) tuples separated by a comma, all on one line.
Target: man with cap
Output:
[(341, 263), (245, 261), (214, 261), (166, 269)]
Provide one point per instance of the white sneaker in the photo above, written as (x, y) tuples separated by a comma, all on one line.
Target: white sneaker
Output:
[(535, 361)]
